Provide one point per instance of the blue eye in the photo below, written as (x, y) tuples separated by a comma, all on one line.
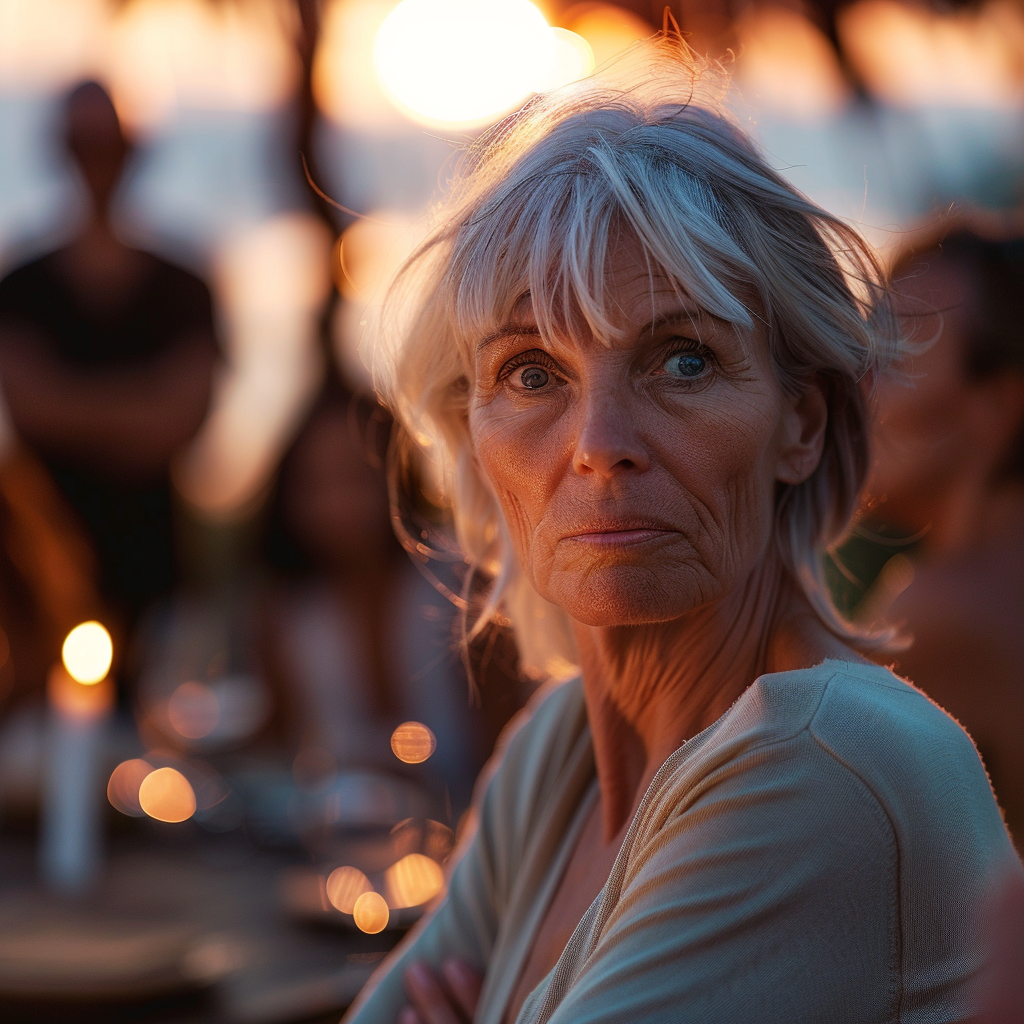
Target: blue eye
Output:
[(686, 364), (534, 377)]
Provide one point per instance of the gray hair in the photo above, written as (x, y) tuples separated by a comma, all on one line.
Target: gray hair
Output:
[(535, 207)]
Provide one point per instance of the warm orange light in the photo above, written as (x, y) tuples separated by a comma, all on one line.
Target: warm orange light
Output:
[(162, 55), (272, 279), (413, 742), (87, 653), (463, 62), (412, 881), (78, 700), (573, 59), (909, 54), (787, 64), (344, 83), (123, 787), (193, 710), (608, 29), (371, 913), (49, 42), (165, 794), (344, 887)]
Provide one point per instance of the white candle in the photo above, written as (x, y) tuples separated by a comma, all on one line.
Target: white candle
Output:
[(81, 697)]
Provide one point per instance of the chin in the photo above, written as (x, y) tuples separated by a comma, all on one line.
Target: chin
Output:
[(628, 595)]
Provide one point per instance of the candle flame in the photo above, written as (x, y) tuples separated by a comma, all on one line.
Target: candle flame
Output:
[(87, 653)]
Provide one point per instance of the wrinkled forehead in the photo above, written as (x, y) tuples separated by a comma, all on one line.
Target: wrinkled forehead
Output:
[(611, 290), (638, 300), (591, 245)]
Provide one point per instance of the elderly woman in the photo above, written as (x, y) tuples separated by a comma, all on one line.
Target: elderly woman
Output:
[(638, 356)]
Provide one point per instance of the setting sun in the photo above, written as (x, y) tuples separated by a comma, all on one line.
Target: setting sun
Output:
[(463, 62)]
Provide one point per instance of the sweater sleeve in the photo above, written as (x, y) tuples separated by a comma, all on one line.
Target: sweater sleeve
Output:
[(771, 896), (509, 795), (463, 925)]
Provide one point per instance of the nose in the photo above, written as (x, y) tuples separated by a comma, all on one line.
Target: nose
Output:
[(608, 441)]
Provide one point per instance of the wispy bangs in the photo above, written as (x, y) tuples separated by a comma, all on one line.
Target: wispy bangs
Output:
[(548, 232)]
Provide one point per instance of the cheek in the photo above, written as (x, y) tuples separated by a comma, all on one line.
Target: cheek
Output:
[(519, 457), (726, 463)]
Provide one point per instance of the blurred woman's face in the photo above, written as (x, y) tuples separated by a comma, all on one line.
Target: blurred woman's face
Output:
[(335, 502), (924, 441), (638, 480)]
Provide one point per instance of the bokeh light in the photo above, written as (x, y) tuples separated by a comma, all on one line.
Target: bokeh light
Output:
[(463, 62), (786, 64), (911, 55), (413, 742), (412, 881), (165, 794), (272, 279), (124, 784), (87, 653), (193, 710), (49, 42), (573, 59), (344, 887), (371, 913), (344, 83), (607, 28), (165, 55)]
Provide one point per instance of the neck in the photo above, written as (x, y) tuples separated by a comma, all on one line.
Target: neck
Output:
[(650, 688)]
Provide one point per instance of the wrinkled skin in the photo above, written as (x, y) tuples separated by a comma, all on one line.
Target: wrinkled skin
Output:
[(673, 439)]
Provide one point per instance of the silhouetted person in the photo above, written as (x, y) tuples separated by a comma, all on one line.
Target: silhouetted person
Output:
[(106, 361), (950, 464)]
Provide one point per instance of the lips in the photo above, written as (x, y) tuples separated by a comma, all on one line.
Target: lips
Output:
[(620, 531)]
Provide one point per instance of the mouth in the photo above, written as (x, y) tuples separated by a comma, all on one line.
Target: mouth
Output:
[(624, 534)]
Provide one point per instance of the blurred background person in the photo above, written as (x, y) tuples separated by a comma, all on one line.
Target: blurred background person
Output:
[(360, 639), (949, 468), (107, 356)]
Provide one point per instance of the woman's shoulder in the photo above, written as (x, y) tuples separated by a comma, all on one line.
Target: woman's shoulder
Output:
[(846, 704), (867, 716), (916, 762)]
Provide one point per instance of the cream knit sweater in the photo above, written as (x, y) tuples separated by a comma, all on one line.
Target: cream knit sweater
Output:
[(819, 854)]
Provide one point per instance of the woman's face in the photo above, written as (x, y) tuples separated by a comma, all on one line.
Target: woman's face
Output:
[(638, 480)]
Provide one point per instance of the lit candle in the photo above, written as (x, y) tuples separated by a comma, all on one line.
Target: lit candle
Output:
[(81, 697)]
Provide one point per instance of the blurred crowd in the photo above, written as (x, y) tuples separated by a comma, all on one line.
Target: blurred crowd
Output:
[(294, 639), (190, 449)]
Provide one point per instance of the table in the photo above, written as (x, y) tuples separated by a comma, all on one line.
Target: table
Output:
[(217, 897)]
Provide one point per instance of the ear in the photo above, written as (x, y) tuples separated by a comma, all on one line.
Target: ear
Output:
[(802, 435)]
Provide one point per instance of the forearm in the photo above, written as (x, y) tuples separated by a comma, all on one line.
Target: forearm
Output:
[(128, 420)]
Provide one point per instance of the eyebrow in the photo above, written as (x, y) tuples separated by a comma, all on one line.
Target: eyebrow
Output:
[(684, 314), (507, 330)]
